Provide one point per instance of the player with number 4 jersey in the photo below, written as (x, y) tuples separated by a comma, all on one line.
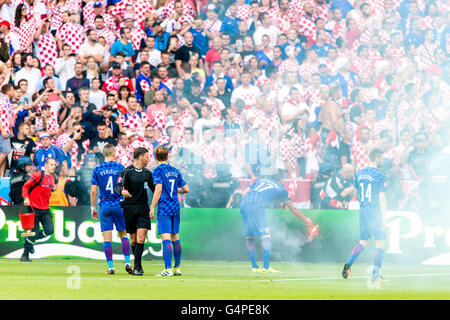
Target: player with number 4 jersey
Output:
[(370, 183), (104, 178)]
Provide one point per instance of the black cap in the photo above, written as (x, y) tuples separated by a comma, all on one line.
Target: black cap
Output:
[(115, 65), (108, 108)]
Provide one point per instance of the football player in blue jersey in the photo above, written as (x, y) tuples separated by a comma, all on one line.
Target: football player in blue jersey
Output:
[(255, 198), (168, 185), (370, 184), (105, 178)]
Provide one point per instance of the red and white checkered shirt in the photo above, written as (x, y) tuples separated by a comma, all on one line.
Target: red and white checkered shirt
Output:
[(288, 65), (249, 94), (238, 118), (52, 124), (212, 26), (108, 35), (425, 54), (159, 120), (55, 12), (145, 85), (169, 10), (6, 113), (139, 142), (112, 83), (254, 112), (377, 7), (119, 8), (136, 121), (89, 17), (299, 141), (338, 29), (123, 155), (209, 155), (25, 34), (47, 49), (323, 11), (296, 8), (312, 96), (360, 64), (360, 155), (288, 152), (384, 124), (374, 56), (307, 26), (307, 69), (142, 8), (268, 123), (368, 93), (244, 12), (73, 35), (394, 155), (397, 53), (216, 107), (427, 22), (63, 140), (282, 21)]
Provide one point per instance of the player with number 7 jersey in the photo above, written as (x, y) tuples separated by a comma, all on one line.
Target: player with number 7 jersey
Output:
[(168, 184)]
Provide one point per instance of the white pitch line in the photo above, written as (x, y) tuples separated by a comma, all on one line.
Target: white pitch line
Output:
[(414, 275), (186, 264)]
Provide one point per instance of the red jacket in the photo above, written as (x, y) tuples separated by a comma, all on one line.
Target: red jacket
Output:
[(40, 195)]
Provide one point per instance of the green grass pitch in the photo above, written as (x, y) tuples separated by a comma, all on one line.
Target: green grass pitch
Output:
[(218, 280)]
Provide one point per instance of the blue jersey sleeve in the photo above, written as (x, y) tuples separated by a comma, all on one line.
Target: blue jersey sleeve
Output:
[(181, 182), (157, 179)]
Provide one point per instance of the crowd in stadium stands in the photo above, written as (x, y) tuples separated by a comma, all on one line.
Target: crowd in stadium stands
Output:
[(235, 89)]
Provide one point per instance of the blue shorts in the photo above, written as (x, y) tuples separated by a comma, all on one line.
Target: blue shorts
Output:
[(110, 216), (371, 226), (168, 224), (5, 144), (254, 221)]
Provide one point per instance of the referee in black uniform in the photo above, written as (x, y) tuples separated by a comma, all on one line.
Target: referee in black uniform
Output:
[(133, 183)]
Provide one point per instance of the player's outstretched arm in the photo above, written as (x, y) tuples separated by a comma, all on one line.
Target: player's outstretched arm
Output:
[(94, 213), (297, 212), (237, 191), (184, 189)]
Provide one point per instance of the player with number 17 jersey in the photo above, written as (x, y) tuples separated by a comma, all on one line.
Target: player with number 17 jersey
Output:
[(262, 192)]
